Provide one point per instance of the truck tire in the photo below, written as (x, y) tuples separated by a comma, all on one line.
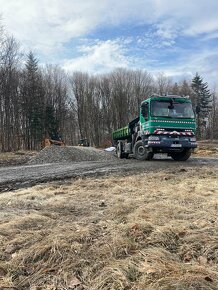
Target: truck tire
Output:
[(141, 153), (120, 153), (181, 156)]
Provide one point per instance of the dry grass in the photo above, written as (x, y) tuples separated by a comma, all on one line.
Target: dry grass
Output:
[(207, 148), (145, 231), (15, 158)]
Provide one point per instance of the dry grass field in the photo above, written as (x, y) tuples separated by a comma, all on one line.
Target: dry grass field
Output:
[(207, 148), (146, 231), (15, 158)]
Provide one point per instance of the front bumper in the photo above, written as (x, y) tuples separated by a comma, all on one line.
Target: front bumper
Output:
[(171, 143)]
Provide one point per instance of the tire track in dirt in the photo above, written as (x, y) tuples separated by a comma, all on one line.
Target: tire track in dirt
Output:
[(29, 175)]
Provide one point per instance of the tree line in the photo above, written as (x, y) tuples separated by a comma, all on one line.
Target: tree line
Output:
[(39, 101)]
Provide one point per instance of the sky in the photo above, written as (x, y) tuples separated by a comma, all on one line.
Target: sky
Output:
[(176, 37)]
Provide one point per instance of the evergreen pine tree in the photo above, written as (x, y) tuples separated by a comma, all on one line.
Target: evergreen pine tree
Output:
[(203, 95), (31, 66), (203, 101), (34, 101), (51, 122)]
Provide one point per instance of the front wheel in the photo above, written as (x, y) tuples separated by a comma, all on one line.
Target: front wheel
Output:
[(181, 156), (141, 153)]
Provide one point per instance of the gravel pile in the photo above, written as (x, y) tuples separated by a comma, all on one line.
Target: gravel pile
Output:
[(55, 154)]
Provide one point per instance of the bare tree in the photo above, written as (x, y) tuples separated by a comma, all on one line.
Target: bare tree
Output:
[(163, 84), (121, 96), (106, 105), (79, 84), (142, 86), (9, 93), (212, 132)]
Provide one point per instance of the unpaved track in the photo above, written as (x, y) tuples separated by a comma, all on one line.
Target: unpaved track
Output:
[(27, 175)]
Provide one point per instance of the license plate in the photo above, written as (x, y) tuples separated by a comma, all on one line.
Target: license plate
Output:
[(176, 145)]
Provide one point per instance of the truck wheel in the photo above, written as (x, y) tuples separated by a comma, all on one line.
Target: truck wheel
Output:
[(120, 153), (126, 155), (141, 153), (181, 156)]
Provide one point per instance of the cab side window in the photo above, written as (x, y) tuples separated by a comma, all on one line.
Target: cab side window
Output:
[(144, 110)]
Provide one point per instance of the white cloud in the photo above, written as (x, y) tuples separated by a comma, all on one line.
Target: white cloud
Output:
[(100, 57), (188, 17), (171, 18), (204, 62), (203, 26), (47, 24), (210, 36)]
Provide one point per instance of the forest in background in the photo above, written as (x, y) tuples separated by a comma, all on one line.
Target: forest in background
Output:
[(37, 101)]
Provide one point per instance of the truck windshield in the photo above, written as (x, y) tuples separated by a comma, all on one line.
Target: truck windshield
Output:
[(171, 109)]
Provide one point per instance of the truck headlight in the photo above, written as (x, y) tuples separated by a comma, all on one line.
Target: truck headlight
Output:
[(193, 139), (153, 138)]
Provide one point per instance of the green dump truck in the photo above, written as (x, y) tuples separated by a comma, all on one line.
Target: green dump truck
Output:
[(166, 124)]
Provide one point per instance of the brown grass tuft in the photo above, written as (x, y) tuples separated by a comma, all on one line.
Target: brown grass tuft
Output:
[(145, 231)]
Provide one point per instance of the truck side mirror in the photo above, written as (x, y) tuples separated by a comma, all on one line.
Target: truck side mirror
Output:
[(144, 110), (197, 109)]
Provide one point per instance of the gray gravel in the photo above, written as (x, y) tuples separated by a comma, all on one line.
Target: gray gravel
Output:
[(22, 176), (56, 162), (57, 154)]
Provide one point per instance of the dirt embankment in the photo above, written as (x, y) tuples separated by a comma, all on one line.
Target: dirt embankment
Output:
[(144, 231)]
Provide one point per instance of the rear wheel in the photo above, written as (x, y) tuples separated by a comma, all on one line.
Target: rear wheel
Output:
[(141, 153), (181, 156), (120, 153)]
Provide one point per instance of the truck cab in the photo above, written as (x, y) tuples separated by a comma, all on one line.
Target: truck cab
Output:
[(166, 124)]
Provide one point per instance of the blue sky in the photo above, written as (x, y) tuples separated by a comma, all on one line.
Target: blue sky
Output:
[(177, 37)]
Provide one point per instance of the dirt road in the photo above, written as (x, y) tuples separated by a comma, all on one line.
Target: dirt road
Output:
[(22, 176)]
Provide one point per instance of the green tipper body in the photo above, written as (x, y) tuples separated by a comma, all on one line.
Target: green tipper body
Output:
[(122, 133)]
